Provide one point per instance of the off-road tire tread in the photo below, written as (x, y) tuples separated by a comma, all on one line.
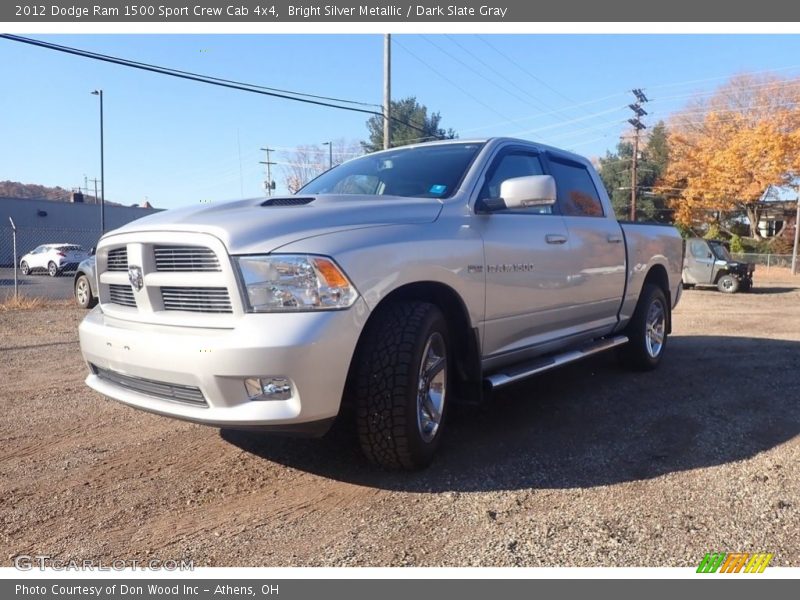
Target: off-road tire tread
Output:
[(383, 381)]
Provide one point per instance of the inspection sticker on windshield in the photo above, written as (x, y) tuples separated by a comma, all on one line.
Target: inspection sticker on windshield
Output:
[(438, 189)]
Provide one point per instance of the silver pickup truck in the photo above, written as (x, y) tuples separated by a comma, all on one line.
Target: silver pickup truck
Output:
[(393, 285)]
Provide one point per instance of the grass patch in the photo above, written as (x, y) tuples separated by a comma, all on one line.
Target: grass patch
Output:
[(23, 302)]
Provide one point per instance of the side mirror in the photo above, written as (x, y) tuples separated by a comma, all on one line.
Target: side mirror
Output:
[(533, 190), (92, 251)]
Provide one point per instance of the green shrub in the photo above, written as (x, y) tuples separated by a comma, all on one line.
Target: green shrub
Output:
[(713, 232), (736, 244)]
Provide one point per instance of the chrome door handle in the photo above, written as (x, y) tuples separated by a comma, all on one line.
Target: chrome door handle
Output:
[(555, 238), (614, 238)]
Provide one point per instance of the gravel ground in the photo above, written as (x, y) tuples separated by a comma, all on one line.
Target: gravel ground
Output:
[(586, 466)]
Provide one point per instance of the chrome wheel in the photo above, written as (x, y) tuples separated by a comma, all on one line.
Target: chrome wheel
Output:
[(432, 386), (52, 269), (655, 328), (82, 293), (24, 268)]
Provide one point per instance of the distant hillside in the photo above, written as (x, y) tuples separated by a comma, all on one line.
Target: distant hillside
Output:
[(15, 189)]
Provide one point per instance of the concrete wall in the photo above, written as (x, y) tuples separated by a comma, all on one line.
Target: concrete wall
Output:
[(47, 221)]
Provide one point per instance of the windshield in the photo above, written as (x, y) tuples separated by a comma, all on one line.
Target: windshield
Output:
[(721, 252), (423, 172)]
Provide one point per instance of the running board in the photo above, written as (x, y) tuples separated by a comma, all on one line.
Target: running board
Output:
[(540, 365)]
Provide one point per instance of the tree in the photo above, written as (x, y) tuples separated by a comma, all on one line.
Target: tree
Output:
[(615, 171), (727, 150), (306, 162), (410, 124)]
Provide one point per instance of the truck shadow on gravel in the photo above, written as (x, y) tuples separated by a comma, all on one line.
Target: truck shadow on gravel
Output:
[(714, 400)]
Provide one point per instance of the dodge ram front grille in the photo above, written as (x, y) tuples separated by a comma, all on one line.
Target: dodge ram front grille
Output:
[(169, 278), (167, 391), (118, 259), (197, 299), (185, 258), (121, 294)]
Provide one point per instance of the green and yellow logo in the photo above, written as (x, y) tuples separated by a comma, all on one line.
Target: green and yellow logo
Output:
[(734, 562)]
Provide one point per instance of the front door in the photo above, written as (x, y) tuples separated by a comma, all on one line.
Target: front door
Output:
[(700, 266), (526, 263)]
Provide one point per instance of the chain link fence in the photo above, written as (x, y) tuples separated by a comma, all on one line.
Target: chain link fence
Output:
[(38, 283), (769, 261)]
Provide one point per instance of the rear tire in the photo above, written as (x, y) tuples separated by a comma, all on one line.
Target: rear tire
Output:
[(52, 269), (401, 385), (728, 284), (647, 330), (24, 268)]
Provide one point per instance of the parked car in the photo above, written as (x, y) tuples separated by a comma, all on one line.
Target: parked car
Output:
[(709, 263), (53, 259), (84, 284), (397, 284)]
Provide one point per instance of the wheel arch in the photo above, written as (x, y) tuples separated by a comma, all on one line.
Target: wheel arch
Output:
[(657, 275), (464, 338)]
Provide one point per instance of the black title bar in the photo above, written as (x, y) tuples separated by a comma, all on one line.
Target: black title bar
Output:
[(337, 11)]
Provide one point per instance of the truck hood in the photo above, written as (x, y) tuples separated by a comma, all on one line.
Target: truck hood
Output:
[(259, 225)]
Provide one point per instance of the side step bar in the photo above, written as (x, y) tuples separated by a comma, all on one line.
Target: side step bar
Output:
[(540, 365)]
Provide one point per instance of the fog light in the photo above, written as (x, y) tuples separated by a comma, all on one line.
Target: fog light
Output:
[(268, 388)]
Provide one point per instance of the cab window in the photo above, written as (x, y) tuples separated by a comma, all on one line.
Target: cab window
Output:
[(577, 194), (508, 166), (699, 249)]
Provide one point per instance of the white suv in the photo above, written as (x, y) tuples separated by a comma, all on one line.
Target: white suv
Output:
[(53, 258)]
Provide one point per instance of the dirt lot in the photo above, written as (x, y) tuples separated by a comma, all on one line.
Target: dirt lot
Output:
[(586, 466)]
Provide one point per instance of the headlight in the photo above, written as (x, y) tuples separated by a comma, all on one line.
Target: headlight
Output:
[(287, 282)]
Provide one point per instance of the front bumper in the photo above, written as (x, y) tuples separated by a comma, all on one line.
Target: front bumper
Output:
[(312, 349)]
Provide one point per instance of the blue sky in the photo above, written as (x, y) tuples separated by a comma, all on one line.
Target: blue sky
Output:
[(177, 142)]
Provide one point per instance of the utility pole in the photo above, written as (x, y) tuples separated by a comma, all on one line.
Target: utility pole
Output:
[(330, 154), (95, 189), (796, 233), (102, 168), (387, 90), (637, 124), (268, 184)]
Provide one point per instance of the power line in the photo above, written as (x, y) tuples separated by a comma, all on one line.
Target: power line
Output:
[(244, 87), (471, 68), (130, 62), (523, 69), (451, 82)]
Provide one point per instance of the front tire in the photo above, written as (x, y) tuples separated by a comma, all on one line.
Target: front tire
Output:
[(401, 383), (24, 268), (52, 269), (83, 292), (647, 330), (728, 284)]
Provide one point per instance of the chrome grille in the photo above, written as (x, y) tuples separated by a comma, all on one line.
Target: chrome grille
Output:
[(117, 259), (121, 294), (185, 258), (168, 391), (197, 299)]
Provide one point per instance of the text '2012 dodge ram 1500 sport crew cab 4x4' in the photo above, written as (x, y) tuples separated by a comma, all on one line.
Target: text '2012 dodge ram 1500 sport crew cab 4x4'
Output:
[(397, 284)]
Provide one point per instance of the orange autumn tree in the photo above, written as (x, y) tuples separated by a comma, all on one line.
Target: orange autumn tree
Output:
[(726, 150)]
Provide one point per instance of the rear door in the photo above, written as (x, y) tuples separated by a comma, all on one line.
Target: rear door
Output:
[(526, 261), (597, 246)]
